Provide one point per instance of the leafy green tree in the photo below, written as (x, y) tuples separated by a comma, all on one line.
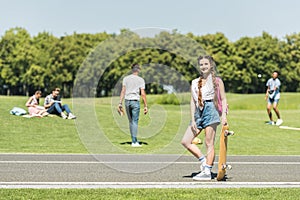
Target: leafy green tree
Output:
[(290, 69), (35, 76), (44, 46), (73, 51), (45, 61), (16, 56), (260, 55)]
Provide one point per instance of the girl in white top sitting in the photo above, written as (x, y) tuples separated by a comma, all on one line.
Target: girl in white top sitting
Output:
[(205, 115), (33, 105)]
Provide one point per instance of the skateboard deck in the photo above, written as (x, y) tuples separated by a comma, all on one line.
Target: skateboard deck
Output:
[(222, 166)]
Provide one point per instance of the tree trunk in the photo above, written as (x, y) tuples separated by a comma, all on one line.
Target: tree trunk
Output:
[(71, 91), (65, 90)]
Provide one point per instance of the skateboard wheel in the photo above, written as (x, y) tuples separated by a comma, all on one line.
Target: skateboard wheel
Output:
[(229, 167), (228, 133)]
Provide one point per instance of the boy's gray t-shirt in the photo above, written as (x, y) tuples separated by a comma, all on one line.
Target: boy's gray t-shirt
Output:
[(133, 84)]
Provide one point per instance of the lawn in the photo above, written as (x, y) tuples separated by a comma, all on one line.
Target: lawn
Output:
[(99, 129), (107, 194)]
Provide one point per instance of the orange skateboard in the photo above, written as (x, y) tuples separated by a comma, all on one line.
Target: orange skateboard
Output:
[(222, 166)]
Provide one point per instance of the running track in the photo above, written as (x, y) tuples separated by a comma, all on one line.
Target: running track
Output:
[(141, 171)]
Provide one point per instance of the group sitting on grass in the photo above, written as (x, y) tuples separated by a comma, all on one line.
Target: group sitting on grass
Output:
[(52, 105)]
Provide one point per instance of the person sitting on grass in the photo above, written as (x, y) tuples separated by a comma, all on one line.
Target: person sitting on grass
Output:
[(54, 105), (33, 105)]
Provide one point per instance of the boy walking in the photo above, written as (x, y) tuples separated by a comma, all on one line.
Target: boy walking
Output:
[(132, 87)]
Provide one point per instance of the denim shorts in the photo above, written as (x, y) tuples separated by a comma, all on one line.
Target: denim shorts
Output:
[(207, 116), (271, 101)]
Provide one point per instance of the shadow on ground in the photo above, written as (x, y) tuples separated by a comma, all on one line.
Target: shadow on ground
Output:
[(213, 176), (129, 143)]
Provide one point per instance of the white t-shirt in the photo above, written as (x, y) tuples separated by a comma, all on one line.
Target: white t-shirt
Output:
[(133, 84), (272, 84), (207, 90)]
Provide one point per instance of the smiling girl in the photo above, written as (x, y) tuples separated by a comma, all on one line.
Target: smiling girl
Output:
[(204, 114)]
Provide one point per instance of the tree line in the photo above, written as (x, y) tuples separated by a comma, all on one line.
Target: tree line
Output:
[(44, 61)]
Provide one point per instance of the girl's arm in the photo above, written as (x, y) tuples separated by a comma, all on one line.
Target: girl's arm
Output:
[(28, 103), (193, 107)]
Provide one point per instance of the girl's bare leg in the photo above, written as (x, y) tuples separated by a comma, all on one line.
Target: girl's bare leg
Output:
[(187, 142), (210, 134)]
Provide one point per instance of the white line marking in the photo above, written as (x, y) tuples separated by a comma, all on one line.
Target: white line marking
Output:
[(129, 155), (290, 128), (207, 184), (141, 162)]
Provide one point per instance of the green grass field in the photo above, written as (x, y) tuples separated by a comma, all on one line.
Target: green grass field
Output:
[(153, 194), (160, 131)]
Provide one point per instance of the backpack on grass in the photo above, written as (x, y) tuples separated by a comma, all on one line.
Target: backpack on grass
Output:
[(18, 111)]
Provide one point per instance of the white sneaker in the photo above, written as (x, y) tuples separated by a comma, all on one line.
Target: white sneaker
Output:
[(63, 115), (202, 176), (279, 122), (270, 123), (71, 116), (136, 144)]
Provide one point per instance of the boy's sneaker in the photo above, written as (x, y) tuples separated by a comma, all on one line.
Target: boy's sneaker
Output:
[(279, 122), (136, 144), (202, 176), (270, 123), (71, 116), (63, 115)]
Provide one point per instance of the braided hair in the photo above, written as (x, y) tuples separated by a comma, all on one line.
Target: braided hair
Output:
[(213, 73)]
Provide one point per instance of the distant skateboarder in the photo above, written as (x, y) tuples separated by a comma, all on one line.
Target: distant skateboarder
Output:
[(272, 97)]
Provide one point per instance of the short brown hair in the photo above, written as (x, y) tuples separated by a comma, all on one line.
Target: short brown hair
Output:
[(135, 67), (56, 89)]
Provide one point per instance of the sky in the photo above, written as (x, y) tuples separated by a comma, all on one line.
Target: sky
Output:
[(234, 18)]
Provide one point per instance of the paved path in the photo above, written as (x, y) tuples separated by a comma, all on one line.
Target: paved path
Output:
[(115, 171)]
